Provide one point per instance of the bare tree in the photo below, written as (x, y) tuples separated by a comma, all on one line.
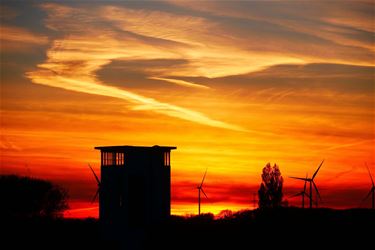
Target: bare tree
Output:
[(270, 191)]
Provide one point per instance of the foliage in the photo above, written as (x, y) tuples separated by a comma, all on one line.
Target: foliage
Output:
[(29, 197), (270, 191)]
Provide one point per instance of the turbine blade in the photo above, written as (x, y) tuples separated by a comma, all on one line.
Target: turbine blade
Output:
[(299, 178), (204, 176), (317, 191), (204, 193), (297, 194), (96, 195), (316, 172), (368, 195), (96, 177), (372, 181)]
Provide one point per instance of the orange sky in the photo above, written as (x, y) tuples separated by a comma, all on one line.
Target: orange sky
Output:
[(233, 86)]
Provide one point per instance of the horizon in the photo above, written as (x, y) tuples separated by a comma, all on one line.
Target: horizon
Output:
[(232, 86)]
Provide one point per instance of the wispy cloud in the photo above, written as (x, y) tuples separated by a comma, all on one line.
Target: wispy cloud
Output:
[(72, 63), (6, 144), (65, 69), (181, 82), (20, 35), (316, 31), (118, 33), (346, 145), (141, 102)]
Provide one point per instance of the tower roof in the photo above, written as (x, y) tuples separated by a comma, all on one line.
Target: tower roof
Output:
[(131, 148)]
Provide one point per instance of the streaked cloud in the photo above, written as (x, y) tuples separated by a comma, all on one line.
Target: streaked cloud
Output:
[(73, 61), (181, 82), (14, 34), (6, 144), (316, 31), (141, 102)]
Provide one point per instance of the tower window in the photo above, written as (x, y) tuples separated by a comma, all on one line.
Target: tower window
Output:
[(108, 158), (166, 158), (113, 158), (120, 159)]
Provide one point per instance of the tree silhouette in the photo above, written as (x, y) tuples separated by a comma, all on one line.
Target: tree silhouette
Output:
[(30, 197), (270, 191)]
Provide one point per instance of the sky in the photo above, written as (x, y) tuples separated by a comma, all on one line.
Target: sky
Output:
[(232, 84)]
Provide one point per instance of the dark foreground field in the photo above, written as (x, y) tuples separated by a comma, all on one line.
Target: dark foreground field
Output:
[(287, 227)]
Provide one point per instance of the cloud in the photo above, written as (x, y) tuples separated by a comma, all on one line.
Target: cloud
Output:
[(198, 40), (181, 82), (316, 31), (299, 80), (211, 47), (12, 36), (46, 77), (74, 60), (347, 145), (8, 145)]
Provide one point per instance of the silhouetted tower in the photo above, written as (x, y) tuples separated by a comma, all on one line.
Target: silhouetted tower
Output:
[(135, 186)]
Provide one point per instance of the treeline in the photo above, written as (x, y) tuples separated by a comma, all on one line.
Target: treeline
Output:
[(26, 197)]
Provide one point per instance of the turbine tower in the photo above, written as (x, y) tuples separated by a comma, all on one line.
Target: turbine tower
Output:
[(312, 183), (200, 189), (302, 194), (372, 190)]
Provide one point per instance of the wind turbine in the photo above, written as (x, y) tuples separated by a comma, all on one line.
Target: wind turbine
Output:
[(200, 189), (312, 183), (302, 194), (372, 190), (98, 183)]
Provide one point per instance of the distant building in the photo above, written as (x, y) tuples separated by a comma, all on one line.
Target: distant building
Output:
[(135, 186)]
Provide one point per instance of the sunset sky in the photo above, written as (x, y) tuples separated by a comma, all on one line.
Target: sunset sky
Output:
[(232, 84)]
